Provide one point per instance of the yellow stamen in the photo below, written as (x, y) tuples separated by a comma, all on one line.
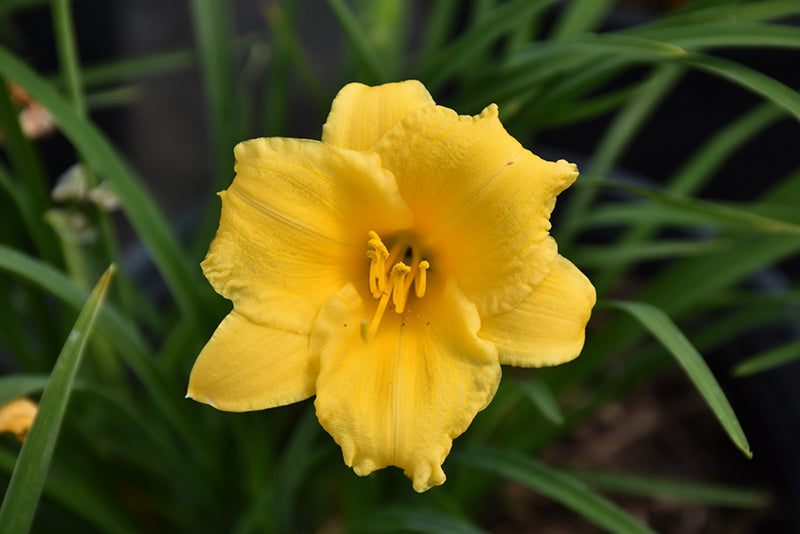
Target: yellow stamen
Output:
[(368, 333), (421, 278), (394, 282), (377, 268), (399, 292)]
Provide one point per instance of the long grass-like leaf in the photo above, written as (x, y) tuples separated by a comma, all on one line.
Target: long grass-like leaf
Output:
[(770, 359), (359, 41), (143, 213), (581, 16), (27, 481), (439, 68), (113, 325), (15, 386), (599, 256), (725, 35), (661, 326), (540, 395), (721, 213), (742, 12), (673, 490), (780, 94), (397, 520), (556, 484), (618, 138)]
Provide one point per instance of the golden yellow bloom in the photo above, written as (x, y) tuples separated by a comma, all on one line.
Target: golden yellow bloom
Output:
[(17, 416), (389, 270)]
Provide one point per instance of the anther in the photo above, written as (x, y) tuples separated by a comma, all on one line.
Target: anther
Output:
[(399, 292), (394, 281), (421, 278), (377, 267)]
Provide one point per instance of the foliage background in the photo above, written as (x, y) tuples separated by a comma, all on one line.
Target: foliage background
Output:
[(683, 121)]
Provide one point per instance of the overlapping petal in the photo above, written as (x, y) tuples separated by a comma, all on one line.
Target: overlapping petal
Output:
[(548, 327), (293, 227), (402, 397), (360, 114), (246, 366), (481, 201)]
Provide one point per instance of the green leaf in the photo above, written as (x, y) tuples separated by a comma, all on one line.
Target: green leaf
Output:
[(770, 359), (15, 386), (780, 94), (582, 16), (540, 395), (726, 35), (359, 41), (673, 490), (742, 12), (557, 485), (456, 55), (623, 130), (148, 221), (113, 72), (600, 256), (27, 481), (713, 212), (661, 326), (409, 520), (113, 325)]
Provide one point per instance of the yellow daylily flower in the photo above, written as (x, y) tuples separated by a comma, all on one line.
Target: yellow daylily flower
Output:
[(17, 416), (390, 270)]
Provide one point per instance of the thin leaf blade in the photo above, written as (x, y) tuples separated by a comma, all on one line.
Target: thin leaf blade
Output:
[(27, 481), (558, 485), (662, 328)]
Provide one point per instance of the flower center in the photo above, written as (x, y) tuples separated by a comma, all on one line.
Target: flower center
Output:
[(389, 277)]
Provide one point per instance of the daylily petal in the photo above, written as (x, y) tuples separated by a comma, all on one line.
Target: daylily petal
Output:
[(360, 114), (402, 397), (548, 327), (17, 416), (481, 201), (293, 227), (246, 366)]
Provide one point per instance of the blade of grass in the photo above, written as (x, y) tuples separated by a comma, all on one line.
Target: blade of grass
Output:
[(553, 60), (15, 386), (540, 395), (505, 17), (370, 62), (289, 52), (71, 491), (68, 53), (409, 520), (744, 12), (691, 177), (673, 490), (126, 338), (10, 6), (780, 94), (145, 217), (599, 256), (30, 472), (725, 35), (770, 359), (618, 137), (662, 328), (212, 23), (581, 16), (439, 23), (557, 485), (119, 70), (32, 197), (715, 212)]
